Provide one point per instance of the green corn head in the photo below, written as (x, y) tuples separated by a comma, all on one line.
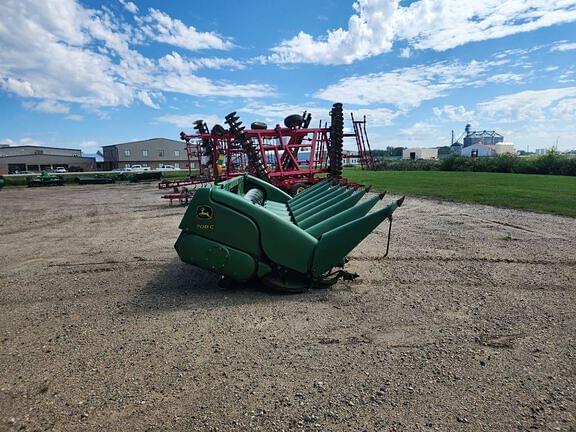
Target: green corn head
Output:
[(245, 228)]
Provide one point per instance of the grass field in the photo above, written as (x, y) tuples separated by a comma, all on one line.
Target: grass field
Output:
[(540, 193)]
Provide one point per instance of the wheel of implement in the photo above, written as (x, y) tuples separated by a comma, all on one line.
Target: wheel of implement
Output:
[(293, 121), (296, 188), (287, 282), (218, 130), (258, 125), (336, 141)]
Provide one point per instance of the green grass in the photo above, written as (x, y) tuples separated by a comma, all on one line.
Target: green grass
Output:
[(539, 193)]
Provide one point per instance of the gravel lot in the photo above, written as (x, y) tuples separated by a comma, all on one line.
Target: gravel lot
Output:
[(469, 325)]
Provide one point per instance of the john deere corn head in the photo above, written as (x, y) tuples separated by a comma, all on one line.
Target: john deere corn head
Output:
[(245, 228)]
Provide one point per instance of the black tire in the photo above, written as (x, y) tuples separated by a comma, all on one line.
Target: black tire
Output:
[(218, 130), (258, 125), (293, 121), (336, 141), (296, 188), (287, 285)]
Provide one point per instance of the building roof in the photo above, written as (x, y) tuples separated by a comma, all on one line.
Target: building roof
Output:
[(46, 156), (39, 147), (98, 156), (143, 141), (483, 133)]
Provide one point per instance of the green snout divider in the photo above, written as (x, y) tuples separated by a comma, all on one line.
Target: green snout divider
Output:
[(309, 190), (337, 243)]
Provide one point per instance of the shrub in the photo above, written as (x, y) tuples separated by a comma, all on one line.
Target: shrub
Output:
[(550, 163), (455, 163), (408, 165)]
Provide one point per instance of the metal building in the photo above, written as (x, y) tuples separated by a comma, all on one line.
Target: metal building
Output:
[(153, 153), (484, 137), (15, 159), (480, 143)]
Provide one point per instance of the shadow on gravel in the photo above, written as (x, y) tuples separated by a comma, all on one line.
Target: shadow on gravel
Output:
[(181, 286)]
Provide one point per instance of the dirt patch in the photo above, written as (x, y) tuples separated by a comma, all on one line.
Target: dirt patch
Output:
[(469, 324)]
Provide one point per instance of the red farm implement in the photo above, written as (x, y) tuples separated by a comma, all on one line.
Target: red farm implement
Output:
[(364, 155), (292, 157)]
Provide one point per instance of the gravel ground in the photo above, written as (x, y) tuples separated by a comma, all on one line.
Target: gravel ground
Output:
[(468, 325)]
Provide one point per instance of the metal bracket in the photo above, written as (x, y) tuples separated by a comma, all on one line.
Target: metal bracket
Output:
[(389, 234), (332, 278)]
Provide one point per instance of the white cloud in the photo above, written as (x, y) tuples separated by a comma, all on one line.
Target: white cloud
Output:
[(544, 134), (48, 106), (199, 86), (530, 105), (453, 113), (162, 28), (56, 52), (567, 75), (129, 6), (506, 78), (420, 134), (74, 117), (144, 96), (377, 116), (43, 55), (565, 109), (407, 87), (175, 62), (187, 120), (564, 46), (416, 129), (424, 24), (23, 141), (275, 113), (89, 146)]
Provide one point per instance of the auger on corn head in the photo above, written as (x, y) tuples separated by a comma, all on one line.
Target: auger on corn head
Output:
[(246, 228)]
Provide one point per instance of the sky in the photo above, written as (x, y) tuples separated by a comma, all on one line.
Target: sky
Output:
[(84, 73)]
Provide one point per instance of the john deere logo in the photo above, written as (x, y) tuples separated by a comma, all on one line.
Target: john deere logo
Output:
[(204, 212)]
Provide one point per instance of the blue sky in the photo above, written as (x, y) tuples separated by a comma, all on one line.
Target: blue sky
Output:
[(88, 73)]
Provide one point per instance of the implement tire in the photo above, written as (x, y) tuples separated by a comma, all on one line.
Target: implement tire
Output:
[(293, 121), (258, 125), (218, 130), (296, 188), (336, 142), (292, 284)]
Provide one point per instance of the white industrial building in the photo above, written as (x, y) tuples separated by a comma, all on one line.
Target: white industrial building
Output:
[(350, 157), (480, 143), (482, 150), (420, 153)]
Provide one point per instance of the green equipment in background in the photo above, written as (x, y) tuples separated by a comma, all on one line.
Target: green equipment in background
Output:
[(46, 179)]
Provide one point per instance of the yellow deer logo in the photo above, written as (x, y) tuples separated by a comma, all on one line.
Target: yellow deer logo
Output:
[(204, 212)]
